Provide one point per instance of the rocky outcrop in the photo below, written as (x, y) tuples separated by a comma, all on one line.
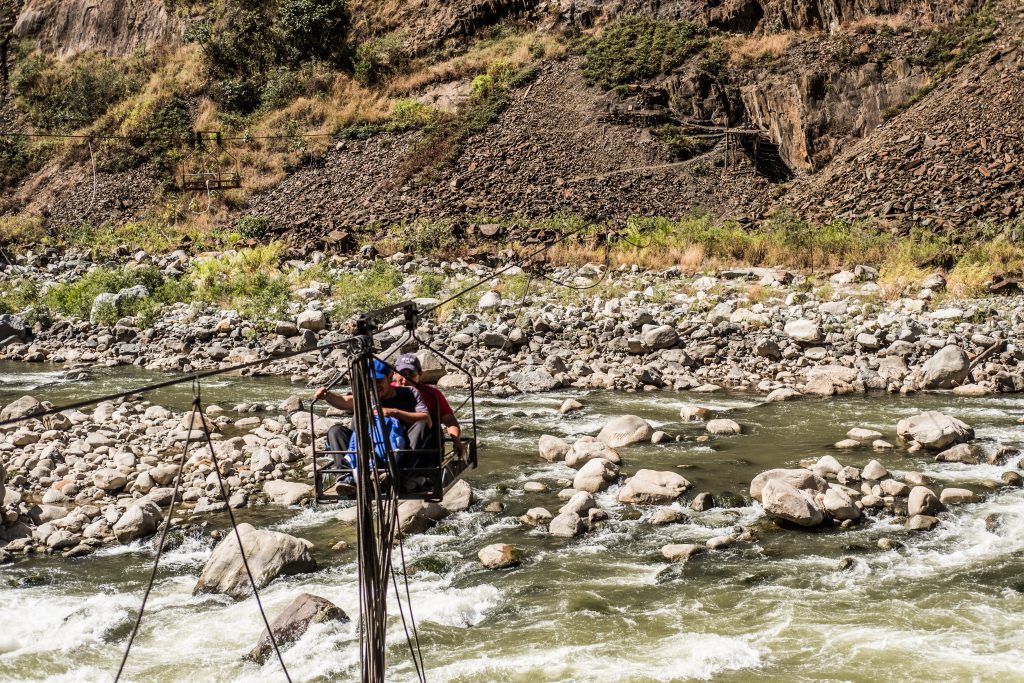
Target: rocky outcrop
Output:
[(934, 430), (784, 502), (269, 554), (117, 27)]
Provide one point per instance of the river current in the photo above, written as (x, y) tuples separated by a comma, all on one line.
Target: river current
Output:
[(948, 605)]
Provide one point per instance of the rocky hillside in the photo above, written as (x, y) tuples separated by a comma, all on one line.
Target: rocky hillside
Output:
[(512, 110)]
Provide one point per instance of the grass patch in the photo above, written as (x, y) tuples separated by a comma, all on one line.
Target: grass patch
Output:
[(636, 49), (377, 286), (248, 280), (21, 231)]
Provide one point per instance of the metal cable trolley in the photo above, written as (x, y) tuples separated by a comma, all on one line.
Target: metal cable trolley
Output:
[(203, 171), (424, 473)]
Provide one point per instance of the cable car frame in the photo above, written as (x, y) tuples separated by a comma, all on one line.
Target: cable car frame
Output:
[(437, 469), (196, 176)]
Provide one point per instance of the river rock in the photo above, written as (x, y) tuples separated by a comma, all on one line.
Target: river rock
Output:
[(595, 475), (534, 381), (862, 434), (588, 448), (681, 552), (552, 448), (840, 506), (723, 427), (803, 331), (720, 542), (874, 470), (934, 430), (703, 502), (827, 464), (955, 496), (948, 368), (569, 405), (798, 478), (416, 516), (286, 492), (109, 480), (580, 503), (922, 501), (662, 337), (459, 497), (269, 554), (138, 521), (667, 515), (891, 487), (962, 452), (315, 321), (693, 413), (567, 525), (783, 501), (922, 523), (499, 556), (650, 487), (782, 394), (24, 407), (624, 431), (535, 516), (291, 624)]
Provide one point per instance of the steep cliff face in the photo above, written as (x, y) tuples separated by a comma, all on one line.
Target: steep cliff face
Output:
[(812, 115), (66, 28)]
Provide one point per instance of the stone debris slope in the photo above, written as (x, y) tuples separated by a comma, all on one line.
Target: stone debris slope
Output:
[(953, 157)]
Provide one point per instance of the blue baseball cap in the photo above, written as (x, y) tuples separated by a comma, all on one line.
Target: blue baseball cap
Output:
[(380, 369)]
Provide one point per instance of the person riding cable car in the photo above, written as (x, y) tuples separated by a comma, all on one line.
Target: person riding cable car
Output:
[(410, 373), (404, 403)]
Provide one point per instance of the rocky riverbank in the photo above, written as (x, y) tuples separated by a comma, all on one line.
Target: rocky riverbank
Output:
[(769, 331)]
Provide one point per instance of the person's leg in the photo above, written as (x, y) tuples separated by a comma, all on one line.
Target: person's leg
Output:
[(338, 438)]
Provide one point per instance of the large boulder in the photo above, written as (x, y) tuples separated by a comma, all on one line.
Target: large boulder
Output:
[(286, 492), (595, 475), (139, 521), (552, 448), (723, 427), (650, 487), (803, 331), (840, 506), (681, 552), (416, 516), (567, 525), (314, 321), (459, 497), (294, 621), (13, 326), (109, 480), (797, 478), (923, 501), (661, 337), (934, 430), (499, 556), (269, 554), (26, 406), (588, 448), (625, 430), (947, 369), (532, 381), (782, 501)]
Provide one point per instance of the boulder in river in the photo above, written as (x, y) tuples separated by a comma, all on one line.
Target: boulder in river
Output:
[(955, 496), (140, 520), (499, 556), (693, 413), (552, 448), (783, 501), (625, 430), (567, 525), (286, 492), (269, 554), (922, 501), (416, 516), (459, 497), (681, 552), (588, 448), (840, 506), (934, 430), (294, 621), (948, 368), (723, 427), (650, 487), (26, 406), (962, 452), (595, 475), (797, 478)]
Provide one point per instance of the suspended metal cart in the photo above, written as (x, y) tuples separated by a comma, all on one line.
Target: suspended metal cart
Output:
[(435, 470), (203, 170)]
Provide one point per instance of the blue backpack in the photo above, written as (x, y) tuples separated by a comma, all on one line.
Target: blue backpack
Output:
[(394, 434)]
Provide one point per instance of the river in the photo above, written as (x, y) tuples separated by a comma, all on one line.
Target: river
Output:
[(949, 605)]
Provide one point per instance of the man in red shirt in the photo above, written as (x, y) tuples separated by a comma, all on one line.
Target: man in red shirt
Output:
[(410, 373)]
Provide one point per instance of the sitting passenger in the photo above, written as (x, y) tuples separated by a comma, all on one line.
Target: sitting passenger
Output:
[(410, 374)]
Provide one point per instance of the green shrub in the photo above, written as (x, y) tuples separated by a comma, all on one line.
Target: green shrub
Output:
[(430, 285), (249, 280), (18, 294), (315, 29), (408, 114), (373, 288), (63, 96), (21, 231), (153, 136), (378, 58), (252, 227), (635, 49), (76, 298)]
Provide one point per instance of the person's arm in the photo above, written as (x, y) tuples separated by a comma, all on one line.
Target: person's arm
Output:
[(451, 425), (333, 399), (419, 413)]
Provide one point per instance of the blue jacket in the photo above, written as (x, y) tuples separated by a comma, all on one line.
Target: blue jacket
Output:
[(395, 436)]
